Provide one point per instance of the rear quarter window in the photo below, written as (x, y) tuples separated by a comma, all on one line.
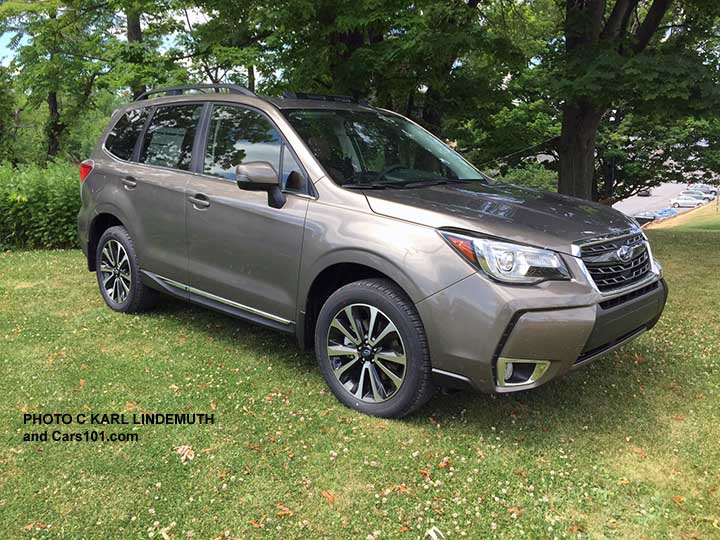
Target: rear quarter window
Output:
[(120, 142)]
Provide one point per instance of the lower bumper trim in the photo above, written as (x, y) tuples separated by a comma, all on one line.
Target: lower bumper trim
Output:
[(597, 352)]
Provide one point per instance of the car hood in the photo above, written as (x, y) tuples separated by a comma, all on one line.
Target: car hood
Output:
[(503, 210)]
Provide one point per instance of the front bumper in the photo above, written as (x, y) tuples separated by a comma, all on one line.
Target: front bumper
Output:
[(476, 326)]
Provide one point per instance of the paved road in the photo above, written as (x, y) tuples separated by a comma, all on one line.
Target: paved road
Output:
[(659, 199)]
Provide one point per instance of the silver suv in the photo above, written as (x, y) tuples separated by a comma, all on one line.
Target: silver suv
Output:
[(365, 236)]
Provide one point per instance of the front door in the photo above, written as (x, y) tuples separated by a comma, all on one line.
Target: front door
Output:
[(241, 251)]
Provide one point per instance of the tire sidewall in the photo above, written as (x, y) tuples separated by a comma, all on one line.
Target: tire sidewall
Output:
[(415, 353), (119, 234)]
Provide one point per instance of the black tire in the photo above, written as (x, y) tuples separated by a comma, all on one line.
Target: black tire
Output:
[(393, 304), (676, 205), (138, 297)]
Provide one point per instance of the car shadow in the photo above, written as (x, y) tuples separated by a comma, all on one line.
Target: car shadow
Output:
[(598, 398)]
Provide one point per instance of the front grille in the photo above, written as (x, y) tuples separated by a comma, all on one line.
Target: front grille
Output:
[(606, 267), (637, 293)]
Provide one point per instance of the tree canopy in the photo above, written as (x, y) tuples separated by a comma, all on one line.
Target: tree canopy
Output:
[(596, 98)]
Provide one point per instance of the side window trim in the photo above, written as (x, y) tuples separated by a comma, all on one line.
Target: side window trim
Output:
[(141, 139), (200, 142), (203, 136)]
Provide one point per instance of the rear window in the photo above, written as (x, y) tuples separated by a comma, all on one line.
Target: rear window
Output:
[(121, 140), (170, 135)]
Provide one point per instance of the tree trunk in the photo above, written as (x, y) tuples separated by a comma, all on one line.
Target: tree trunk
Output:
[(54, 127), (135, 35), (251, 77), (577, 150)]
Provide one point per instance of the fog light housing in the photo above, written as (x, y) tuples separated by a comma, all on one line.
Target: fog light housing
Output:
[(514, 372)]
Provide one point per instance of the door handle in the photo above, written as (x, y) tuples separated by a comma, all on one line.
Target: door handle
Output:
[(199, 201), (129, 183)]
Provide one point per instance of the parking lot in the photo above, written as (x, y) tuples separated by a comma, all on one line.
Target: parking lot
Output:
[(659, 199)]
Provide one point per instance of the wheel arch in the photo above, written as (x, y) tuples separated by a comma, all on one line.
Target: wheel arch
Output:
[(336, 274), (100, 223)]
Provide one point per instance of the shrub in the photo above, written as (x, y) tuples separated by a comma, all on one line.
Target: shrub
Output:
[(532, 175), (39, 206)]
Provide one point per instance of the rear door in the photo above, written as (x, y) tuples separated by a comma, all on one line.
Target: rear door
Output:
[(153, 188), (242, 252)]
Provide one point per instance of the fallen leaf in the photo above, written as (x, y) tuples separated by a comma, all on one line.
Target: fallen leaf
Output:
[(185, 452), (679, 501), (444, 463), (36, 524), (213, 405), (329, 496), (258, 524), (131, 406), (514, 512), (678, 417), (223, 474), (284, 510), (404, 528), (575, 528), (174, 387), (624, 481), (640, 452), (425, 473)]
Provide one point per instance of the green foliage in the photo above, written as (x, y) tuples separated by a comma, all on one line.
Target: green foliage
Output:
[(39, 206), (533, 175), (494, 77), (6, 115)]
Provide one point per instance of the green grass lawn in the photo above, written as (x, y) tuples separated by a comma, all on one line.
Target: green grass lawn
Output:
[(627, 448)]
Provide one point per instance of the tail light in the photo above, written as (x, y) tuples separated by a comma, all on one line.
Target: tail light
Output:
[(86, 168)]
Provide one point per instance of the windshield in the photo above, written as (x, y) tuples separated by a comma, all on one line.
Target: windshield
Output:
[(370, 149)]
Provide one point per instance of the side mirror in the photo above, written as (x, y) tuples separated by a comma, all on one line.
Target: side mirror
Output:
[(261, 176)]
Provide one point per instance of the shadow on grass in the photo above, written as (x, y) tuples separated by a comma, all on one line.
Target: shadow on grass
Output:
[(601, 398)]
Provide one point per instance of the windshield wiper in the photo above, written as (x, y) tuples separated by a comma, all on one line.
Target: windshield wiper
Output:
[(365, 186), (436, 182)]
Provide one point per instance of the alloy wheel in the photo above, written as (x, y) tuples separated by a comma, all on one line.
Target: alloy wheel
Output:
[(366, 353), (115, 272)]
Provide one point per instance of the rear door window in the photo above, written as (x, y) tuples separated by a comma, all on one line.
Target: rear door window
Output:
[(120, 142), (237, 135), (170, 136)]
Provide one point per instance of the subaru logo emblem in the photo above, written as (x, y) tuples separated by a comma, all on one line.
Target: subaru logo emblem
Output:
[(624, 253)]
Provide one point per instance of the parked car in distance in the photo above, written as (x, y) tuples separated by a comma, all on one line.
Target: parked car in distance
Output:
[(366, 237), (686, 201), (644, 193), (706, 197), (704, 188)]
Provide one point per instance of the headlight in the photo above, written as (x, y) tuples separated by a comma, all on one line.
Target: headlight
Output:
[(511, 263)]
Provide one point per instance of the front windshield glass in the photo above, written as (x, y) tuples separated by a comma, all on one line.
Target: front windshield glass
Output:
[(376, 150)]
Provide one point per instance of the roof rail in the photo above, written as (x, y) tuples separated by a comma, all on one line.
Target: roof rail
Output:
[(203, 88), (323, 97)]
